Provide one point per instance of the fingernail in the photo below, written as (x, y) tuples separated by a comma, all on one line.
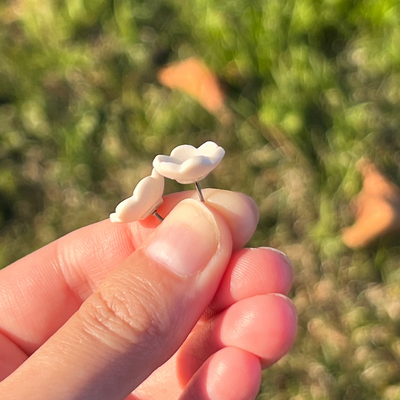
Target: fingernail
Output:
[(285, 258), (289, 302), (186, 240)]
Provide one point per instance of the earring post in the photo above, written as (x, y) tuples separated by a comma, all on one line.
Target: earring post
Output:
[(199, 192), (156, 214)]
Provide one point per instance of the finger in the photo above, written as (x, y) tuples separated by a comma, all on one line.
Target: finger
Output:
[(39, 293), (138, 317), (11, 357), (252, 272), (262, 325), (233, 208), (232, 205), (170, 380), (231, 373)]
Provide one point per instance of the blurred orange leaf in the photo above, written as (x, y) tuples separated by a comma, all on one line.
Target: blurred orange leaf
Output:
[(193, 77), (377, 208)]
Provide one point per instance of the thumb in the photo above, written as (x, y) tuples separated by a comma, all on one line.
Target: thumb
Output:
[(137, 318)]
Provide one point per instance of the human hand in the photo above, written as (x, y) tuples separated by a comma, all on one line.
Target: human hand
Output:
[(95, 313)]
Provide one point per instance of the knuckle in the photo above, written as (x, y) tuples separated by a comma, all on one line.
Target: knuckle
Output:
[(126, 315)]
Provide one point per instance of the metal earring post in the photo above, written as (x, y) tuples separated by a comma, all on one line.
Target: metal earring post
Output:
[(199, 191), (156, 214)]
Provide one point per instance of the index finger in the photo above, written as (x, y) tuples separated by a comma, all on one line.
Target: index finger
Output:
[(41, 291)]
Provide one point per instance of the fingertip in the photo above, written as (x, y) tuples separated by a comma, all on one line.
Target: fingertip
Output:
[(231, 373), (280, 268), (239, 210), (264, 325), (252, 272), (293, 317), (283, 328)]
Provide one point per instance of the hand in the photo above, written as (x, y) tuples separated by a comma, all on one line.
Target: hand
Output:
[(175, 311)]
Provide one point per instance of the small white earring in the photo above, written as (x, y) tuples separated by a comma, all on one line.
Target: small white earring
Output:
[(188, 164), (145, 200)]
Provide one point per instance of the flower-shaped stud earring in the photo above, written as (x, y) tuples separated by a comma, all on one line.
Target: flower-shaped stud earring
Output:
[(188, 164), (146, 198)]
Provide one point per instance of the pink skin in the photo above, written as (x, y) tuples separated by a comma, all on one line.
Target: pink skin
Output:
[(251, 272), (263, 325), (39, 293), (238, 367)]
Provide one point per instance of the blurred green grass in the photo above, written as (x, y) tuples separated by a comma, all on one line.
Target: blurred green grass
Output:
[(314, 86)]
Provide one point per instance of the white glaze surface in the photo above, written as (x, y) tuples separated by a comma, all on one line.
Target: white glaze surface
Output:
[(188, 164), (146, 198)]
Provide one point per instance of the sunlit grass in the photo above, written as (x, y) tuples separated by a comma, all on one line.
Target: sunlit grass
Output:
[(313, 86)]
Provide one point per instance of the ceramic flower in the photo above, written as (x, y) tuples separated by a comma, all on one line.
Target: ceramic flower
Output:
[(146, 197), (188, 164)]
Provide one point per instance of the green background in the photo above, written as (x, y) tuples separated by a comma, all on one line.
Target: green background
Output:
[(313, 86)]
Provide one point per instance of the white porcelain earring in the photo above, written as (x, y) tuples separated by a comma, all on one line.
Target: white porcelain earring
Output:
[(145, 200), (188, 164)]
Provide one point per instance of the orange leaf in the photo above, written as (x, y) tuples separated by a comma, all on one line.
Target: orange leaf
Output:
[(377, 208), (193, 77)]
